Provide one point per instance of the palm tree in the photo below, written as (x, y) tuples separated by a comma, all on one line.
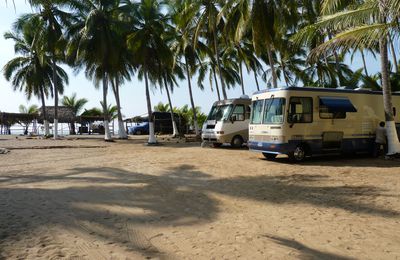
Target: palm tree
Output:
[(363, 24), (184, 47), (33, 109), (49, 37), (32, 72), (148, 46), (76, 105), (92, 45), (209, 23)]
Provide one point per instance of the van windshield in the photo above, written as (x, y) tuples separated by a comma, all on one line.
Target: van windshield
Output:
[(220, 113)]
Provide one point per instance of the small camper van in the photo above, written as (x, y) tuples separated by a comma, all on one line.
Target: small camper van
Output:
[(228, 122), (302, 122)]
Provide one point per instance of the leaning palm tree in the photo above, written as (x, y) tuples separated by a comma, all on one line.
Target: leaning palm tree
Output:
[(184, 47), (148, 47), (32, 72), (76, 105), (364, 25)]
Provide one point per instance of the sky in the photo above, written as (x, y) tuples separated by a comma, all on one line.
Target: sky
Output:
[(133, 101)]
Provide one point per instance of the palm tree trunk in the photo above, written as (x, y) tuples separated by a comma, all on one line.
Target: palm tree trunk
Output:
[(393, 140), (54, 67), (121, 129), (219, 64), (255, 78), (196, 125), (45, 122), (364, 63), (241, 78), (396, 66), (272, 66), (174, 127), (107, 134), (216, 82), (152, 137)]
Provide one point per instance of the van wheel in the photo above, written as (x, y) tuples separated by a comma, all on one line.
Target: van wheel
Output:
[(269, 156), (237, 142), (216, 145), (299, 154)]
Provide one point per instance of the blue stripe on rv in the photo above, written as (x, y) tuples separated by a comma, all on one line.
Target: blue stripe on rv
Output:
[(349, 145)]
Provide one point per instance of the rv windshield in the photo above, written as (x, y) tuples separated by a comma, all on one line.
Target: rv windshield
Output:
[(220, 113)]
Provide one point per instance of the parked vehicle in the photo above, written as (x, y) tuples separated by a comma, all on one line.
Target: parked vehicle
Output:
[(228, 122), (162, 124), (302, 122), (139, 129)]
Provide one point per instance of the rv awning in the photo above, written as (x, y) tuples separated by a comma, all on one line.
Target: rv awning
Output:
[(337, 104)]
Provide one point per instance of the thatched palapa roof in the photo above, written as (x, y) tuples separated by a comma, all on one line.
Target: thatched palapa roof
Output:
[(14, 118), (65, 114)]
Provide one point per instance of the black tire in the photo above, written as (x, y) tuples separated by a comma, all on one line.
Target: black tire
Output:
[(216, 145), (269, 156), (299, 154), (237, 142)]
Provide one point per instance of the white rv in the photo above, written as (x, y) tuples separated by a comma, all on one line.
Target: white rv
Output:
[(301, 122), (228, 122)]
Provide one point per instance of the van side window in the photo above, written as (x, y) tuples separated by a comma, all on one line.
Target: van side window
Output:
[(248, 111), (300, 110), (238, 113), (257, 111)]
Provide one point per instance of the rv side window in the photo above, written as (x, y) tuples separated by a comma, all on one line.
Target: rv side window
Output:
[(300, 110), (325, 114), (257, 111), (238, 113)]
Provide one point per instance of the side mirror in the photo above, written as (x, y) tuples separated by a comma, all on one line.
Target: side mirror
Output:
[(233, 119)]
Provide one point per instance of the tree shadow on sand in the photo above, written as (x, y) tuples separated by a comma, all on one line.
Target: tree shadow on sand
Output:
[(114, 204), (305, 252)]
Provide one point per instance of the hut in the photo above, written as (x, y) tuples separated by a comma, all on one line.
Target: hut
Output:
[(65, 114), (9, 119)]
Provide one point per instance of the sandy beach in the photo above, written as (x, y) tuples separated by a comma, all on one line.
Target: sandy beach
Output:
[(87, 199)]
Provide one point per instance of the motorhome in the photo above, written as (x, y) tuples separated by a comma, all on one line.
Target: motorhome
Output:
[(302, 122), (228, 122)]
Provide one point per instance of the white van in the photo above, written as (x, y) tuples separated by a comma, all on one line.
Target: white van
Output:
[(228, 122), (301, 122)]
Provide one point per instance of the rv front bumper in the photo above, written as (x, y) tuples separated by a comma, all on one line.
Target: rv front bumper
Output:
[(274, 148)]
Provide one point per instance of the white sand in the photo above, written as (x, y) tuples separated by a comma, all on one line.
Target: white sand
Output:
[(125, 200)]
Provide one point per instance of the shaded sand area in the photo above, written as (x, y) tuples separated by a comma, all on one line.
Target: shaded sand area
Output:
[(95, 200)]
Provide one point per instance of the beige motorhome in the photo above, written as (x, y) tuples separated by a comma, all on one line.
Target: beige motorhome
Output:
[(302, 122), (228, 122)]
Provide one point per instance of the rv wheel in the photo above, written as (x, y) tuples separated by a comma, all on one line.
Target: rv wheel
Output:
[(237, 142), (216, 145), (269, 156), (299, 154)]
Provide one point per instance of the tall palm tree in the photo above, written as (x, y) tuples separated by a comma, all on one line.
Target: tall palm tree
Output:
[(32, 72), (76, 105), (363, 24), (50, 38), (148, 46), (92, 45), (209, 23), (184, 47)]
